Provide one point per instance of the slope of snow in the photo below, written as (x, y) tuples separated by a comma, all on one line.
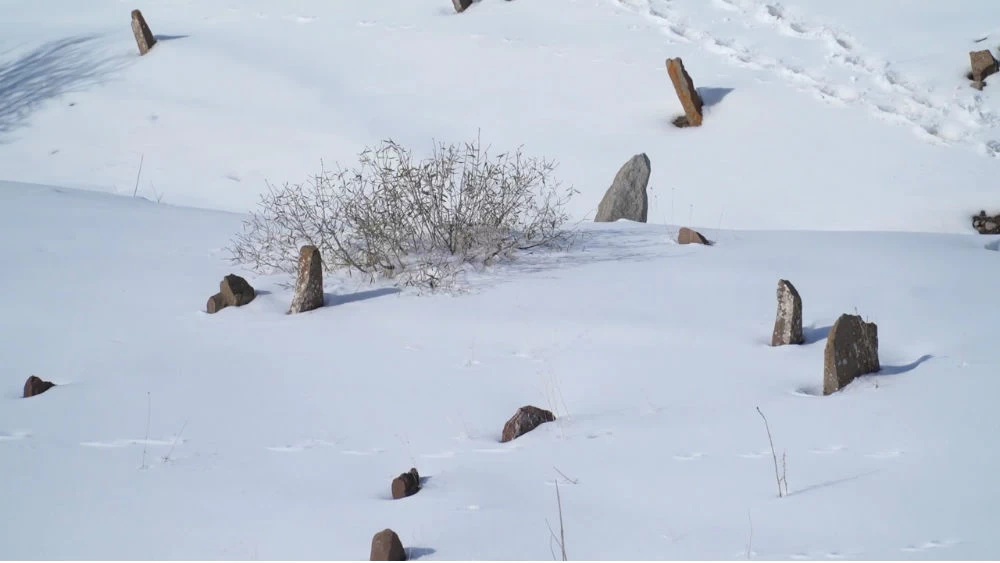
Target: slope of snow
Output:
[(251, 434), (818, 118), (274, 436)]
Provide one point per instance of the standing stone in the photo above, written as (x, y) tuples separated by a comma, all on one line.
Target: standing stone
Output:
[(36, 386), (788, 325), (627, 198), (309, 287), (525, 420), (851, 351), (686, 92), (143, 36), (407, 484), (387, 547), (983, 65), (689, 236), (461, 5)]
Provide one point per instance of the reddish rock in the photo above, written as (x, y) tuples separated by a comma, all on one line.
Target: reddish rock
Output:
[(407, 484), (525, 420), (387, 547), (851, 351), (143, 36), (685, 89), (688, 236), (36, 386), (309, 287), (983, 65)]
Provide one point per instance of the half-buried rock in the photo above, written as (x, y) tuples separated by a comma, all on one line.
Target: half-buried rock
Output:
[(387, 547), (689, 236), (627, 198), (525, 420), (788, 323), (851, 351), (36, 386), (309, 287), (234, 291), (407, 484)]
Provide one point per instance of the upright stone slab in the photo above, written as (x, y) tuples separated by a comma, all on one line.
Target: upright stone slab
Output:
[(36, 386), (851, 351), (627, 197), (788, 324), (689, 97), (387, 547), (143, 36), (309, 287), (461, 5)]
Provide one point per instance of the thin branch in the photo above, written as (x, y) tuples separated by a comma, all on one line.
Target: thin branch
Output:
[(136, 190), (777, 475)]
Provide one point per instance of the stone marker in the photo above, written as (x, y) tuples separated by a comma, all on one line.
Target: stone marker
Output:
[(788, 324), (407, 484), (851, 351), (309, 287), (143, 36), (986, 225), (983, 65), (688, 236), (525, 420), (387, 547), (36, 386), (627, 198), (689, 97), (461, 5)]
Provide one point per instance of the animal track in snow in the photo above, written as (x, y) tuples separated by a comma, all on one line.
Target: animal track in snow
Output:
[(829, 450), (888, 454), (14, 436), (301, 446), (928, 545), (130, 442), (875, 85), (689, 457), (372, 451)]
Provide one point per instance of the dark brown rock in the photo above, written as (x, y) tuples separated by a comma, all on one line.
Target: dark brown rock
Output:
[(387, 547), (143, 36), (788, 324), (685, 89), (461, 5), (851, 351), (235, 291), (986, 225), (36, 386), (525, 420), (309, 287), (983, 65), (688, 236), (407, 484)]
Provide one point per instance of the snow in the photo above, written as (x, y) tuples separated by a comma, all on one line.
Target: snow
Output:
[(835, 154)]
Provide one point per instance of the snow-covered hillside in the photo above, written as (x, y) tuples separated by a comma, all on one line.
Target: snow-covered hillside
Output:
[(251, 434)]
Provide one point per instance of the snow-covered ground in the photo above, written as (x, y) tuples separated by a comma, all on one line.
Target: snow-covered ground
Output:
[(254, 435)]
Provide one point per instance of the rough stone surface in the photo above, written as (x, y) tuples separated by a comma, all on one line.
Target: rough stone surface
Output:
[(309, 287), (851, 351), (788, 324), (215, 304), (690, 99), (688, 236), (143, 36), (627, 198), (36, 386), (387, 547), (525, 420), (986, 225), (983, 65), (406, 484), (234, 291), (461, 5)]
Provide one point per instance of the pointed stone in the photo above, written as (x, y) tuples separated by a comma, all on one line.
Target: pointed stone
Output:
[(627, 197), (983, 65), (309, 287), (36, 386), (685, 89), (788, 324), (461, 5), (851, 351), (143, 36), (689, 236)]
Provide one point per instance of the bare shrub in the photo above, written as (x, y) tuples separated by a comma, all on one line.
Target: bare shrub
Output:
[(418, 222)]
